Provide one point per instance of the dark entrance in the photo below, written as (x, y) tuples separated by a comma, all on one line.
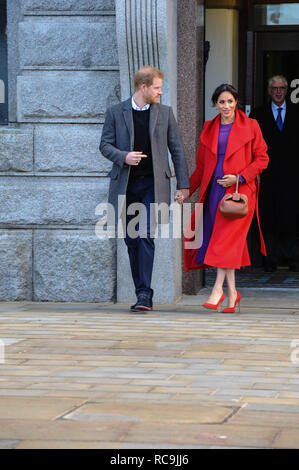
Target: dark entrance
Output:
[(268, 50), (276, 53)]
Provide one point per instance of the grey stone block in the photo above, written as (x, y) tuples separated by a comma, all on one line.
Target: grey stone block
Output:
[(68, 5), (16, 149), (73, 265), (69, 148), (15, 265), (51, 200), (66, 96), (69, 42)]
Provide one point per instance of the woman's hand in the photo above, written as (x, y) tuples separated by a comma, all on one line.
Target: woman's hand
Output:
[(227, 180), (181, 195)]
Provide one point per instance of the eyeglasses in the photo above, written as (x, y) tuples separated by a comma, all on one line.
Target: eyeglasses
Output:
[(278, 88)]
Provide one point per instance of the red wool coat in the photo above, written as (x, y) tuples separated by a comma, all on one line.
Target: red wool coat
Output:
[(246, 154)]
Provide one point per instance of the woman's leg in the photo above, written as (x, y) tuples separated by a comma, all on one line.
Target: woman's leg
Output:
[(231, 287), (217, 290)]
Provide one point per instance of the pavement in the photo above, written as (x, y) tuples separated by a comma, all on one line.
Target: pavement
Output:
[(95, 376)]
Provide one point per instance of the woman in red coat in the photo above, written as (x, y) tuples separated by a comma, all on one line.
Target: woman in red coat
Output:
[(231, 144)]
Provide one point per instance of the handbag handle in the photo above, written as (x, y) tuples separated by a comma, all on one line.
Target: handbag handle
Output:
[(237, 184)]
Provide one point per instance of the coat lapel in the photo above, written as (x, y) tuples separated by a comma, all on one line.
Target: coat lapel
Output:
[(210, 133), (154, 111), (239, 135), (128, 117), (271, 117), (286, 119)]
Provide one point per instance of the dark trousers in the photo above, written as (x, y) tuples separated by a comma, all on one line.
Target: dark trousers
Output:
[(281, 247), (278, 220), (140, 243)]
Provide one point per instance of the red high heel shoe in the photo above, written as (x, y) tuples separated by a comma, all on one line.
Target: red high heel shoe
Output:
[(215, 306), (232, 309)]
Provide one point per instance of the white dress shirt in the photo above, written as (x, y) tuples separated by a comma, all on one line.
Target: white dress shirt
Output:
[(134, 106), (283, 112)]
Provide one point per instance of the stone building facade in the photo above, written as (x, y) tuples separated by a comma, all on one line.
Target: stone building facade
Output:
[(67, 62)]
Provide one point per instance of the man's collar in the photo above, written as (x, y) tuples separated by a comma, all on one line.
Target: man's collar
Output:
[(275, 106), (134, 106)]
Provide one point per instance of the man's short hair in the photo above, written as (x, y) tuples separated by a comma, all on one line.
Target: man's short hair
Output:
[(145, 75), (277, 78)]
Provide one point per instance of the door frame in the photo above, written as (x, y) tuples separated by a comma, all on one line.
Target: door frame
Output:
[(249, 34), (270, 41)]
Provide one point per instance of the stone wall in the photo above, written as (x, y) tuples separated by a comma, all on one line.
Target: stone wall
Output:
[(63, 74), (68, 60)]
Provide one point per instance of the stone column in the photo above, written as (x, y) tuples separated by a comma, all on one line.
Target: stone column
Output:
[(191, 95), (146, 35)]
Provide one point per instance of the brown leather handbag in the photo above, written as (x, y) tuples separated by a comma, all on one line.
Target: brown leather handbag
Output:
[(234, 205)]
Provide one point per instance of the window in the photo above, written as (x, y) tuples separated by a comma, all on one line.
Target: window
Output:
[(276, 14), (3, 64)]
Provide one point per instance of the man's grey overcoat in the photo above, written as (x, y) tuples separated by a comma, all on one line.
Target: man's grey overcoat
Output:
[(118, 139)]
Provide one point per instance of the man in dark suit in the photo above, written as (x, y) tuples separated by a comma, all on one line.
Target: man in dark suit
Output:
[(136, 137), (279, 122)]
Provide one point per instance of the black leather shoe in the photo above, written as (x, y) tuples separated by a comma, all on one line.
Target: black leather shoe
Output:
[(143, 304)]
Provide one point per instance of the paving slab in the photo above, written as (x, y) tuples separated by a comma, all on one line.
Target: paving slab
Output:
[(206, 435), (35, 407), (37, 430), (153, 413), (95, 376)]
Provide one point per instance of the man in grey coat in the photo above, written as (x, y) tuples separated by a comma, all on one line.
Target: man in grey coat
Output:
[(136, 137)]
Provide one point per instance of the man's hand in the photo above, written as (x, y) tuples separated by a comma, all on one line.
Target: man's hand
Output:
[(181, 195), (133, 158)]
